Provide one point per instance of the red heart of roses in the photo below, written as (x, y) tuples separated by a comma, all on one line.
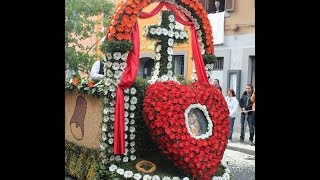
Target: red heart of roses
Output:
[(190, 124)]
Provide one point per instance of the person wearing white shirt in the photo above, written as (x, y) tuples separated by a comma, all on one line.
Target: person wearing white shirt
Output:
[(233, 105), (97, 71)]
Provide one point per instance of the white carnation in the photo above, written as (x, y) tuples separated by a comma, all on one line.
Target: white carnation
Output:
[(112, 88), (170, 41), (109, 64), (133, 157), (126, 105), (159, 31), (110, 134), (176, 35), (134, 100), (158, 48), (133, 91), (158, 56), (104, 127), (170, 33), (125, 159), (155, 177), (103, 146), (126, 98), (109, 73), (110, 141), (111, 109), (147, 177), (117, 74), (112, 158), (132, 107), (124, 56), (108, 82), (112, 103), (128, 174), (132, 129), (112, 168), (171, 18), (171, 25), (170, 50), (109, 56), (123, 65), (152, 31), (120, 171), (164, 31), (132, 136), (137, 176), (115, 66), (157, 66), (118, 158)]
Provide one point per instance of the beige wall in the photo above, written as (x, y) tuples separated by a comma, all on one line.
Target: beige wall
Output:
[(92, 121), (243, 16)]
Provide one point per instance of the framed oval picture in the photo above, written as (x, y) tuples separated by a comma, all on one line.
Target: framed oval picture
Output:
[(198, 121)]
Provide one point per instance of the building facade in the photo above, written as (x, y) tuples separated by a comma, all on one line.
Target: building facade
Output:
[(236, 55)]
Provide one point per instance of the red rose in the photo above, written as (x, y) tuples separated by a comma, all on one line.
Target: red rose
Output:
[(172, 136), (75, 81), (90, 84)]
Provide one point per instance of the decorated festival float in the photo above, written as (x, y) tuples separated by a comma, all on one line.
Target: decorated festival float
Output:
[(124, 127)]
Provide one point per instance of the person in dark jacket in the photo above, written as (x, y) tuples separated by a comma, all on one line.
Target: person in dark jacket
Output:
[(246, 114)]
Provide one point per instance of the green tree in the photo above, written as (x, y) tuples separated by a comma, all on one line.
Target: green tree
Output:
[(79, 26)]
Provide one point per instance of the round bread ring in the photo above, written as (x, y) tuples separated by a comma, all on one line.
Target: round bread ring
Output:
[(147, 163)]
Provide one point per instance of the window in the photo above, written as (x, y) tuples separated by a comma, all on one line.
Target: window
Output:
[(178, 64), (218, 66), (226, 5), (207, 5), (252, 70), (229, 5)]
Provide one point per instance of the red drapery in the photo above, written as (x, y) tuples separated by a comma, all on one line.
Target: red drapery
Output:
[(133, 66), (127, 80)]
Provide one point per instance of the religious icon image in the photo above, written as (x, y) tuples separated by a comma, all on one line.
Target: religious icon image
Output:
[(197, 122)]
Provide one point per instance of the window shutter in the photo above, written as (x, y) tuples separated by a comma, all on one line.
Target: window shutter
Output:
[(229, 5)]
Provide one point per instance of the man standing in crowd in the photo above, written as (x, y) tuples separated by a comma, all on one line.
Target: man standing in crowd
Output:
[(246, 115)]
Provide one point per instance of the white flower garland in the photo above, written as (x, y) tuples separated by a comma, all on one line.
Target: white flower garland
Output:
[(203, 108), (138, 176), (167, 32), (209, 68), (114, 69)]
